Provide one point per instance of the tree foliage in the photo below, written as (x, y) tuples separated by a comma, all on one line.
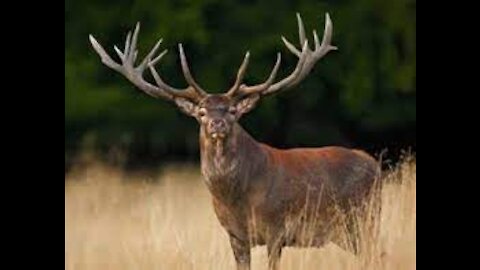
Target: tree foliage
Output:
[(367, 86)]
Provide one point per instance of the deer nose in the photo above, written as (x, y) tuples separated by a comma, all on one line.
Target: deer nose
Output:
[(217, 125)]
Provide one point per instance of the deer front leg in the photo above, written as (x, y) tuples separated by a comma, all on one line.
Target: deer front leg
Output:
[(274, 249), (241, 251)]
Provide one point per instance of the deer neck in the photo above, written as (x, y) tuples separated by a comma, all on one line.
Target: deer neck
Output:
[(228, 165)]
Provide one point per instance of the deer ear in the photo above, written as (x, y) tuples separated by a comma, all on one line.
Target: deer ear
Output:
[(186, 106), (247, 104)]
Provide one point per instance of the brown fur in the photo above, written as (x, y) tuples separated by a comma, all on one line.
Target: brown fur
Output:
[(263, 195)]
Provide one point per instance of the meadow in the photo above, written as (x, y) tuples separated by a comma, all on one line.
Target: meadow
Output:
[(116, 219)]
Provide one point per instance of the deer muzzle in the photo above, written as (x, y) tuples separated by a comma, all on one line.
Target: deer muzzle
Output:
[(217, 128)]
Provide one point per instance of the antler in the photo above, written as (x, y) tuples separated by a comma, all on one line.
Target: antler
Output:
[(135, 74), (307, 59)]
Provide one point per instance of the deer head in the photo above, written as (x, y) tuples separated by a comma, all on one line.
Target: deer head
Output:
[(216, 113)]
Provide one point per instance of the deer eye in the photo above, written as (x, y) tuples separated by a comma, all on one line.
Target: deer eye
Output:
[(202, 112), (232, 110)]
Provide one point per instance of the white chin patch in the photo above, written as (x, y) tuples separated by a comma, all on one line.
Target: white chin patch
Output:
[(218, 142), (217, 136)]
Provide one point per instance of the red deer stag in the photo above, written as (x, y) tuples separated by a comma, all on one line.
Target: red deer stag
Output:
[(262, 195)]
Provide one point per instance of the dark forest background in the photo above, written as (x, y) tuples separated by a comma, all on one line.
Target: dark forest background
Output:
[(363, 95)]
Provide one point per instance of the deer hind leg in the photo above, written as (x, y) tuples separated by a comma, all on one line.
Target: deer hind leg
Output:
[(375, 214), (348, 236), (354, 234), (241, 251), (361, 225)]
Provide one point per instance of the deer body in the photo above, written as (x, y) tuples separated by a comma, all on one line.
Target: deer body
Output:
[(262, 195)]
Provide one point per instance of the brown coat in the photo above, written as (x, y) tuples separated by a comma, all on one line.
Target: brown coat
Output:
[(263, 195)]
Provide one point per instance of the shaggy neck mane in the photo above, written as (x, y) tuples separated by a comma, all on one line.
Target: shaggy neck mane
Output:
[(228, 164)]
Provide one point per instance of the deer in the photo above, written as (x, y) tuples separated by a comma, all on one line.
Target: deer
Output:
[(263, 195)]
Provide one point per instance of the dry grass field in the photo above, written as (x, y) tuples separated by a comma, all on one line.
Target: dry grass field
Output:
[(116, 220)]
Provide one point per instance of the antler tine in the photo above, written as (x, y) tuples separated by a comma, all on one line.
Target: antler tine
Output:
[(247, 90), (187, 93), (187, 74), (301, 29), (133, 44), (291, 47), (149, 56), (127, 43), (240, 75), (315, 39), (119, 53), (106, 59), (295, 74), (328, 33), (301, 36)]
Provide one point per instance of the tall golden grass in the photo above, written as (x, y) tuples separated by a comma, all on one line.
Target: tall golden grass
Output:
[(116, 220)]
